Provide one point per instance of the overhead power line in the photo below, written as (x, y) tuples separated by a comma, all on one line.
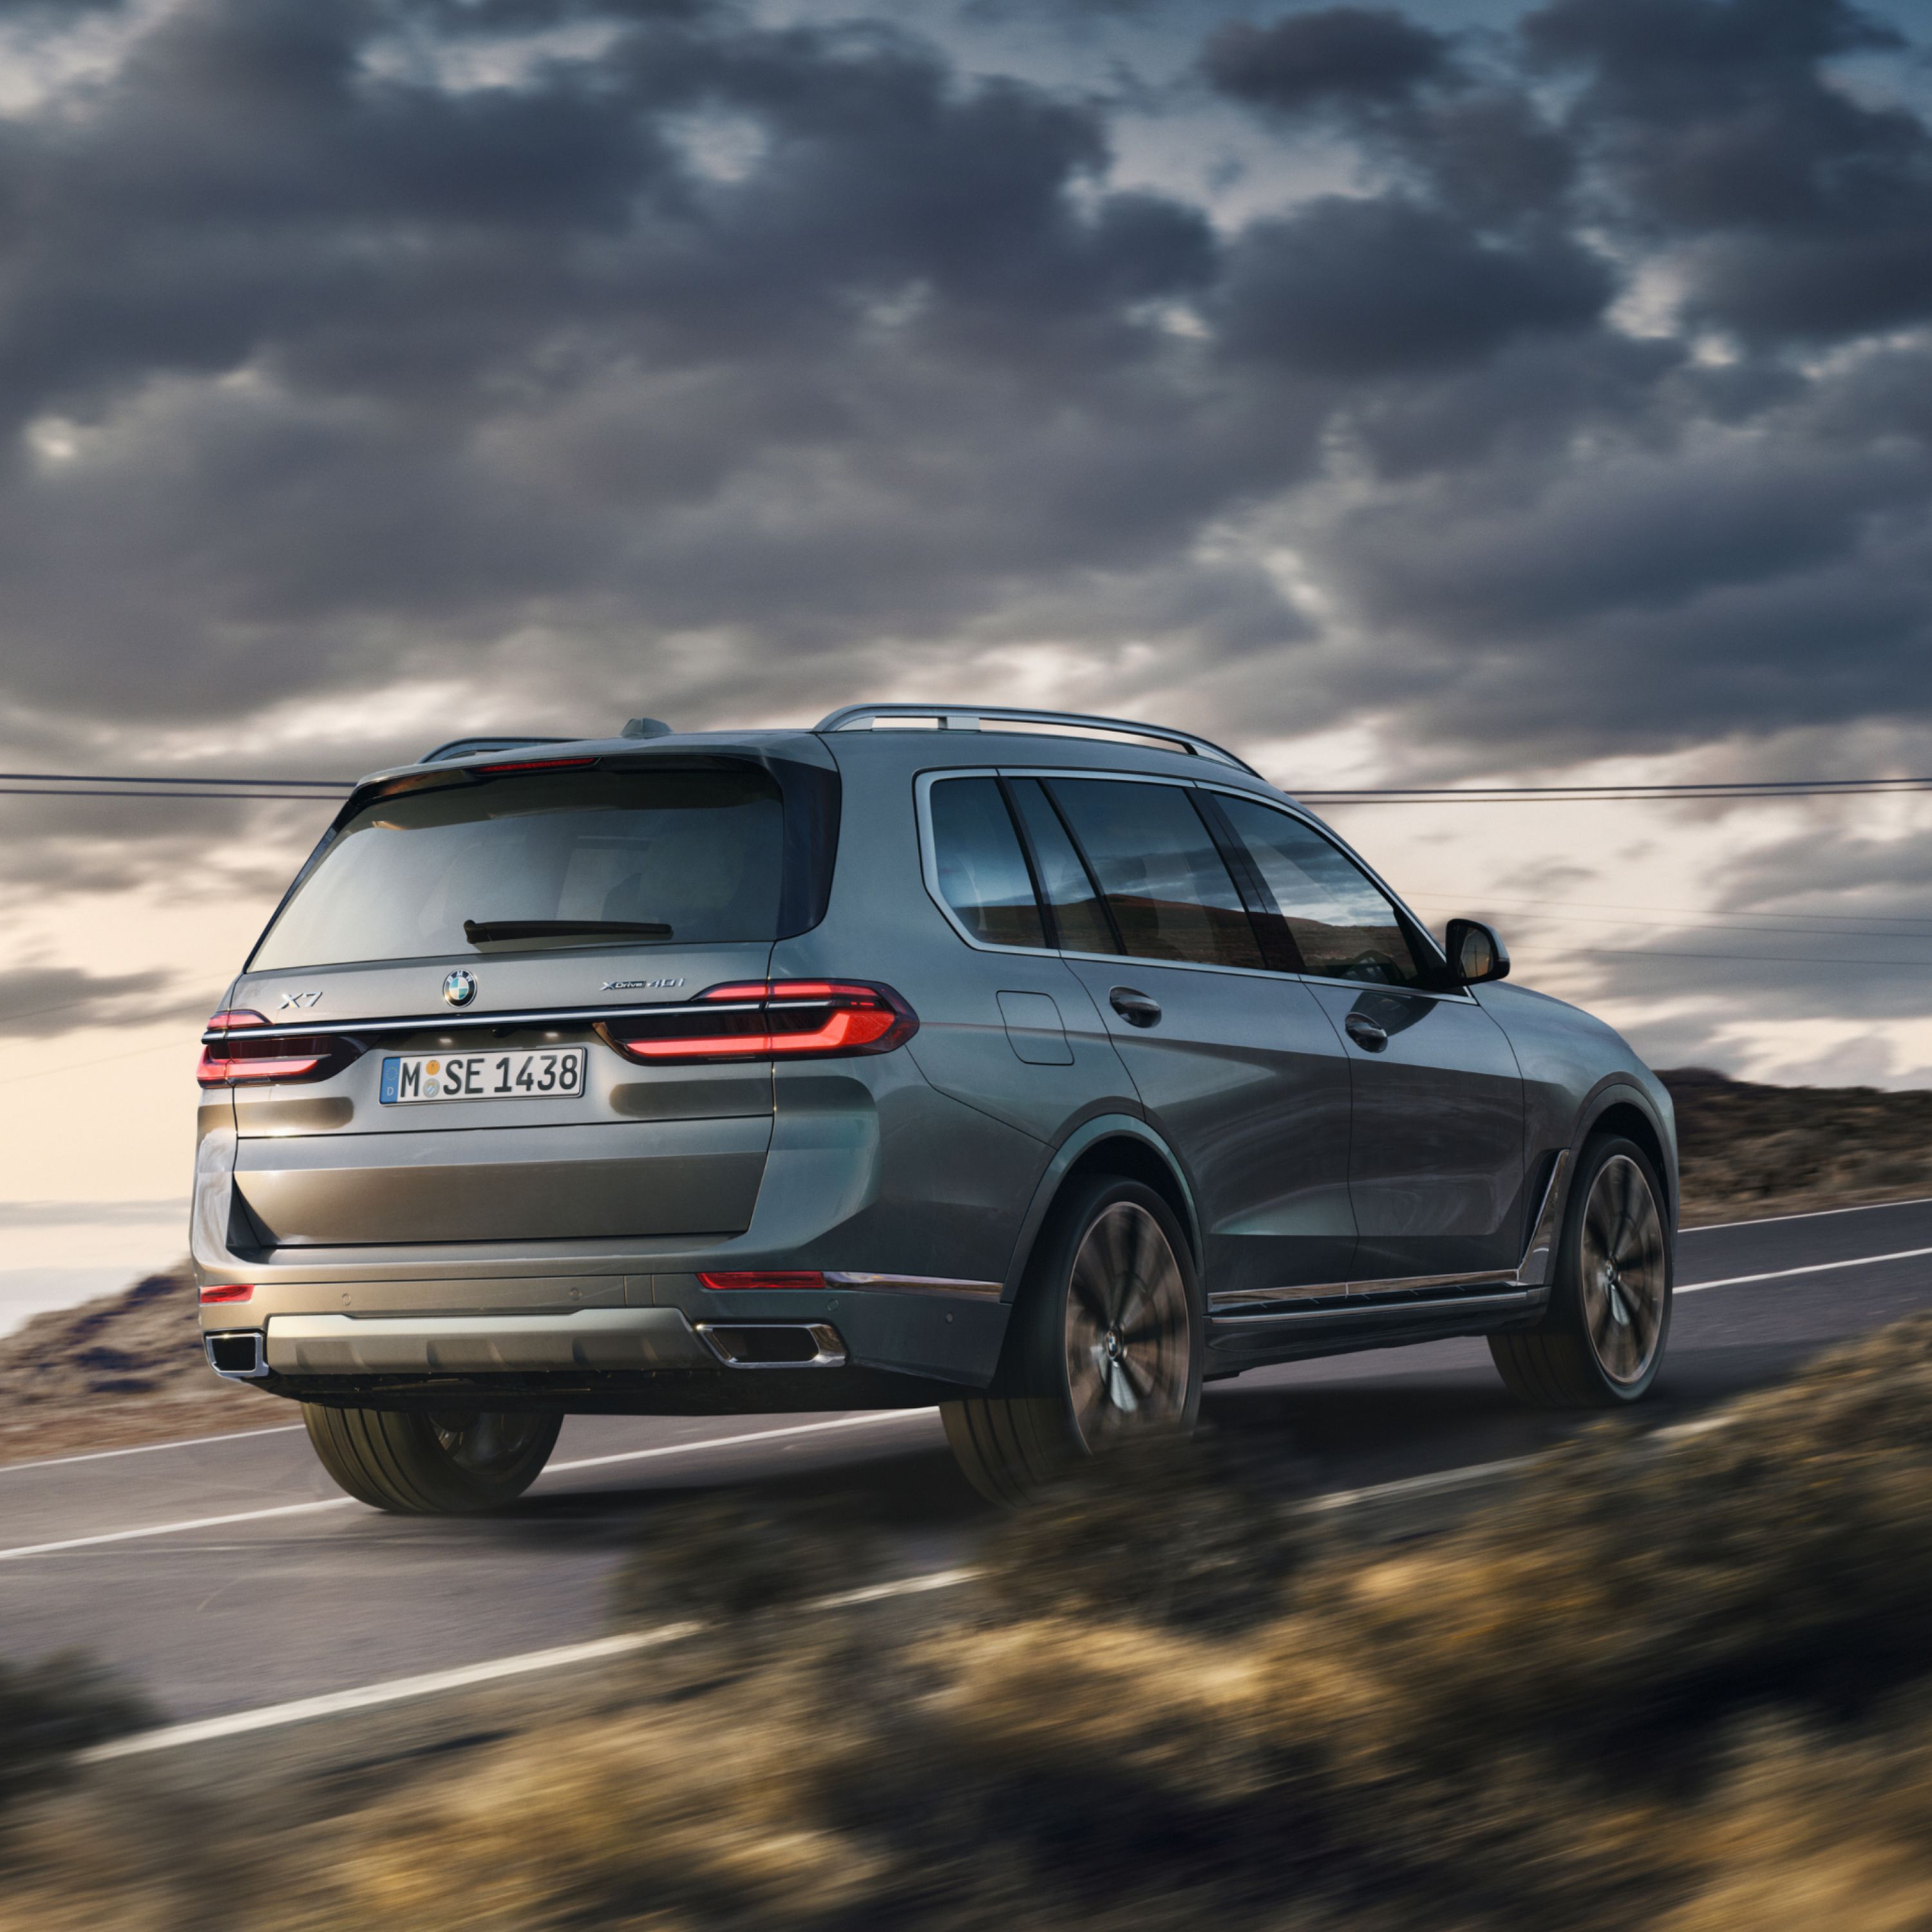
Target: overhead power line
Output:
[(1571, 794)]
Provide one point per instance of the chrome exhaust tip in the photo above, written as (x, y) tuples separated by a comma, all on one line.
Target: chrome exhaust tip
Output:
[(241, 1357), (774, 1345)]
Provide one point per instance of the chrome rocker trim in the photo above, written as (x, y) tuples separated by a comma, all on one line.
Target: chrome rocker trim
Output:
[(1490, 1289)]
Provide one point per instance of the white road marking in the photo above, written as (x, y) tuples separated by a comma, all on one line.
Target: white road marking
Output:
[(861, 1421), (395, 1691), (1816, 1267), (398, 1690), (556, 1468), (170, 1528), (1809, 1214), (148, 1448)]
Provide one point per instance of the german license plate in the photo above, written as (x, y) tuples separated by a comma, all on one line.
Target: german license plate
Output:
[(551, 1073)]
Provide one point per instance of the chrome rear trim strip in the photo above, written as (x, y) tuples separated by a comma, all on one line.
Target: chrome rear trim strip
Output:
[(451, 1022), (915, 1284)]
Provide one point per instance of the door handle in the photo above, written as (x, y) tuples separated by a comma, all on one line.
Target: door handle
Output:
[(1136, 1009), (1363, 1031)]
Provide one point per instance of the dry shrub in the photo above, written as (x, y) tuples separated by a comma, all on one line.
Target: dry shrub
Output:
[(1686, 1686), (51, 1709)]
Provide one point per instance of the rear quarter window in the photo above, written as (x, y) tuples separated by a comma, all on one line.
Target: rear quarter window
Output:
[(700, 852), (982, 871)]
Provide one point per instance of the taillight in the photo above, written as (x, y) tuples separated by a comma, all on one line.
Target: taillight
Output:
[(232, 1053), (781, 1019), (756, 1278), (235, 1291)]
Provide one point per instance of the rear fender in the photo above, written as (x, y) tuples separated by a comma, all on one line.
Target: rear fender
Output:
[(1082, 1142)]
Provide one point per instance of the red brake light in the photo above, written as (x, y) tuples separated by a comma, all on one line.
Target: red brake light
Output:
[(784, 1019), (232, 1051), (237, 1292), (531, 765), (756, 1278)]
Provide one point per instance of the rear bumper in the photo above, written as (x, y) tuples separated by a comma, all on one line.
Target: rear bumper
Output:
[(586, 1338)]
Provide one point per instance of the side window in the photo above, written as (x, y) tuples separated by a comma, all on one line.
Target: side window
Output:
[(1341, 921), (1165, 883), (982, 872), (1078, 914)]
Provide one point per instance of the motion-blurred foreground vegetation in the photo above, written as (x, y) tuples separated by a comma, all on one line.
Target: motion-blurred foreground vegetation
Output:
[(1686, 1684)]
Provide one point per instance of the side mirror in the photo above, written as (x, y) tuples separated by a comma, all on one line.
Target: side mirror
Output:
[(1476, 953)]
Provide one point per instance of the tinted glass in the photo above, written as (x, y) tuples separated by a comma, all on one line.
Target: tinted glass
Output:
[(1082, 926), (1164, 883), (982, 872), (700, 852), (1340, 920)]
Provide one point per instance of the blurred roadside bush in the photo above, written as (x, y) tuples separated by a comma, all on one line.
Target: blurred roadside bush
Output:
[(1685, 1684)]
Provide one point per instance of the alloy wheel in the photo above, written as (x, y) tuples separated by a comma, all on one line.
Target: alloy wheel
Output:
[(1624, 1270), (1129, 1338)]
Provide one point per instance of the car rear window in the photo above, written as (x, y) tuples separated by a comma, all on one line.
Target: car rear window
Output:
[(702, 853)]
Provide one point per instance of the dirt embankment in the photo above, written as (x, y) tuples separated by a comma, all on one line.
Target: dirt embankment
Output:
[(1748, 1149), (124, 1369)]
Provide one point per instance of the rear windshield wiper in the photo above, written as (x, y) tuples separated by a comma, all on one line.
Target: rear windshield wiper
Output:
[(482, 931)]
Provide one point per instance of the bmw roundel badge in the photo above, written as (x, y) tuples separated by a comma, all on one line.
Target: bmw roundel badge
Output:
[(459, 988)]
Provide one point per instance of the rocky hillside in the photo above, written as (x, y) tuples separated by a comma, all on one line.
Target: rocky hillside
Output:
[(1750, 1150), (125, 1369)]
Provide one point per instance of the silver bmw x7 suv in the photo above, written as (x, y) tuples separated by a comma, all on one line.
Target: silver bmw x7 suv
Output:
[(1040, 1066)]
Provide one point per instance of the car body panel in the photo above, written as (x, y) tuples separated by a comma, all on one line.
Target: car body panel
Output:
[(916, 1181)]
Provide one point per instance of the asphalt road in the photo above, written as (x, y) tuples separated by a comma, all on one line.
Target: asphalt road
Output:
[(230, 1573)]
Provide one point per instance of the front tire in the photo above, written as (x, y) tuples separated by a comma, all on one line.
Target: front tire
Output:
[(1105, 1349), (443, 1464), (1601, 1339)]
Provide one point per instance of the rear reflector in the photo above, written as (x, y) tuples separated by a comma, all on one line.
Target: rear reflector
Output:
[(758, 1278), (782, 1019), (236, 1291), (232, 1053)]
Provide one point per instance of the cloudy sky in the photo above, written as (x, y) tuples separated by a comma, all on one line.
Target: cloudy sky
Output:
[(1468, 392)]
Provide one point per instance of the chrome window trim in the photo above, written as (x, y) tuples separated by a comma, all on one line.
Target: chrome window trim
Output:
[(928, 861)]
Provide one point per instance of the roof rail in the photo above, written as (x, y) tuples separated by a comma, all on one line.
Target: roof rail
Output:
[(981, 717), (465, 748)]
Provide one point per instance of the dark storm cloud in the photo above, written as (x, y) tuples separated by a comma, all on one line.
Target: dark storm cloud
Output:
[(622, 357), (1360, 53), (1804, 209), (1354, 287)]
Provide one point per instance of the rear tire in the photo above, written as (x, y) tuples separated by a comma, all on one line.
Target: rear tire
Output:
[(1105, 1347), (1602, 1337), (445, 1464)]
